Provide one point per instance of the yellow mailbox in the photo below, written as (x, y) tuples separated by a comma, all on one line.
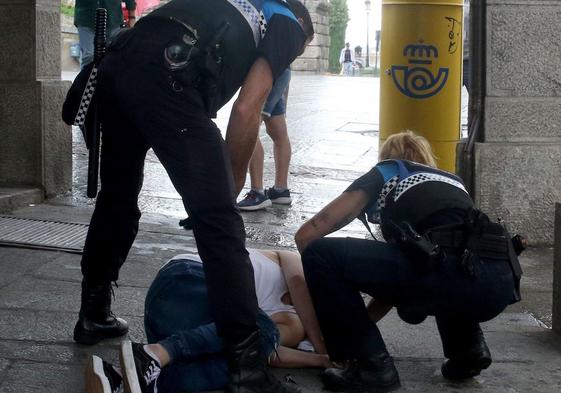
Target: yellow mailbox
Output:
[(421, 72)]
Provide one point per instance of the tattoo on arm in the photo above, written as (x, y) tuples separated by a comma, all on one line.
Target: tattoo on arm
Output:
[(344, 221), (314, 223)]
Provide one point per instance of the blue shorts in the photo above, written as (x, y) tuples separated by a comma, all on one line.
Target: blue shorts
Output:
[(278, 97)]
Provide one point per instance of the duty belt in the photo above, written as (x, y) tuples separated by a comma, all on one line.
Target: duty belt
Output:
[(491, 242)]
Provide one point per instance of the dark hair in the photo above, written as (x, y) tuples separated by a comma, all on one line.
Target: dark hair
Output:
[(300, 11)]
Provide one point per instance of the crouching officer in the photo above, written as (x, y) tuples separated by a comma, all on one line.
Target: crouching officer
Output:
[(442, 258), (158, 87)]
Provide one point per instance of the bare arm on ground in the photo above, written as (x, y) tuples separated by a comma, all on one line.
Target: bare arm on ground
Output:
[(293, 358), (291, 266)]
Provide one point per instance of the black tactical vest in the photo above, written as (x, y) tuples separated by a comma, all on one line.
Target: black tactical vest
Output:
[(238, 44)]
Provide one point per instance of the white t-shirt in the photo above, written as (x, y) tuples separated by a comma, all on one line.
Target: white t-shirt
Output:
[(270, 285)]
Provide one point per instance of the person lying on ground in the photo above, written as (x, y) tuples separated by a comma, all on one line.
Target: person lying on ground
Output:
[(185, 353)]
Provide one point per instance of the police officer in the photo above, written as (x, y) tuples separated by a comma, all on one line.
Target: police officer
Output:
[(159, 85), (442, 258)]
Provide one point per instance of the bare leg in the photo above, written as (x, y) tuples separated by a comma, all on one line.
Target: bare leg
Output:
[(277, 130), (161, 353), (256, 166)]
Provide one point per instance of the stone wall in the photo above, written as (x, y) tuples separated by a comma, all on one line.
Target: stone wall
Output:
[(518, 165), (557, 272), (36, 147), (315, 58)]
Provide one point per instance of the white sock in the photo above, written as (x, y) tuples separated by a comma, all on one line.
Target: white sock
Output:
[(259, 190), (280, 189)]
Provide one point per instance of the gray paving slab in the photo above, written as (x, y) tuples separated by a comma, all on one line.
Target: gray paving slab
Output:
[(30, 351), (4, 364), (63, 267), (17, 262), (54, 378), (48, 326), (50, 295), (423, 376)]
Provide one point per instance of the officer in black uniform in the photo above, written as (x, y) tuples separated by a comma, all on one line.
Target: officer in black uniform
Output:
[(159, 85), (442, 258)]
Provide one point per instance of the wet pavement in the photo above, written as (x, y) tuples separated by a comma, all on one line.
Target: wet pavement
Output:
[(333, 127)]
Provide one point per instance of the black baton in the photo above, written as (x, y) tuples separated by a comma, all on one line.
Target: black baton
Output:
[(95, 134)]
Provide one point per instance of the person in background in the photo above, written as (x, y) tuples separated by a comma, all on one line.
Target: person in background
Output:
[(274, 116), (347, 60), (84, 20)]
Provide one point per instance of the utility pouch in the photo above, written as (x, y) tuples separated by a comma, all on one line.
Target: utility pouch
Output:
[(492, 241), (198, 64), (210, 69)]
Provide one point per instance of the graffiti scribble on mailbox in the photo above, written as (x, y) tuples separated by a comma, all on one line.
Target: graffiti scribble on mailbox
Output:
[(415, 80), (454, 34)]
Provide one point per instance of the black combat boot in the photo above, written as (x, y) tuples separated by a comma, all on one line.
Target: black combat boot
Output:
[(468, 362), (376, 374), (96, 321), (249, 372)]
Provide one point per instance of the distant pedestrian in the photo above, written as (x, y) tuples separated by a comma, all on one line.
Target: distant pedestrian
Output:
[(274, 116), (347, 59), (84, 20)]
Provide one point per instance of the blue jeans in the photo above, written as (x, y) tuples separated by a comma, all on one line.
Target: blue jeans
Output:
[(86, 38), (278, 96), (177, 316)]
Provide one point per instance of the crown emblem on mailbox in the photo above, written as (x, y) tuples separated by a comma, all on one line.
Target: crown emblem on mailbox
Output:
[(420, 51)]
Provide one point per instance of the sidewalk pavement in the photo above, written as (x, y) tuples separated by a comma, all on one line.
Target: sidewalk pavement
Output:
[(334, 141), (39, 301)]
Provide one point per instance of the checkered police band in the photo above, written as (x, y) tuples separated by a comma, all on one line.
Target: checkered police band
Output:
[(86, 100), (401, 186), (255, 18), (381, 202), (423, 177)]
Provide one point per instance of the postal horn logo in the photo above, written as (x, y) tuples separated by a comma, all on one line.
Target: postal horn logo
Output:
[(416, 79)]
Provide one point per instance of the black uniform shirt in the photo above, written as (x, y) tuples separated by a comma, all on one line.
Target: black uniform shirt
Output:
[(282, 43), (427, 203)]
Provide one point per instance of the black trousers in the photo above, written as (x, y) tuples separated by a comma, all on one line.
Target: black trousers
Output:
[(142, 106), (338, 269)]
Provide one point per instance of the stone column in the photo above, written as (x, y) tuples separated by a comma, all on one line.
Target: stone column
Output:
[(557, 272), (316, 56), (518, 165), (35, 146)]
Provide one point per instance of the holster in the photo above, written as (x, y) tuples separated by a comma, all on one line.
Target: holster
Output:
[(198, 64), (418, 247)]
